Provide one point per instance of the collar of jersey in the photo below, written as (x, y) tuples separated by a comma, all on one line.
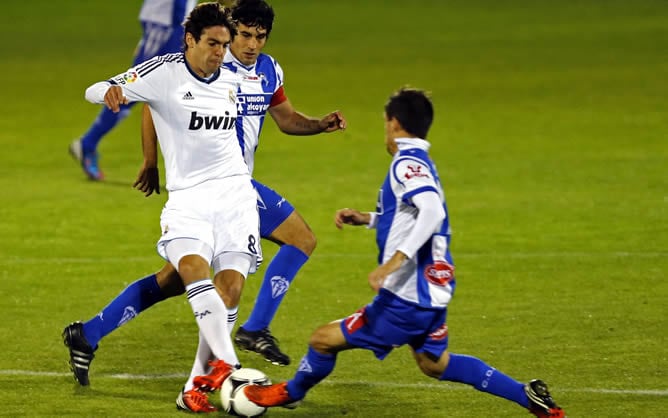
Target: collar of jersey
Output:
[(230, 58), (209, 80), (407, 143)]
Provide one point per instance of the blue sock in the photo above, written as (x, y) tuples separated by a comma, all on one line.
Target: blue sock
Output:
[(105, 122), (138, 296), (312, 369), (280, 273), (474, 372)]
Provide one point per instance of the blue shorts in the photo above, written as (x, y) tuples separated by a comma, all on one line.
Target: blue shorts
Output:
[(273, 208), (389, 322)]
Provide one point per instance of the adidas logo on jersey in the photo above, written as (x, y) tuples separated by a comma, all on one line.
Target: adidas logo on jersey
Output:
[(188, 96)]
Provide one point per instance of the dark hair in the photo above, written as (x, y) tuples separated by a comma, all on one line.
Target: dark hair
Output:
[(413, 109), (206, 15), (254, 13)]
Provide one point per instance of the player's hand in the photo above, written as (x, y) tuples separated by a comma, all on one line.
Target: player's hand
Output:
[(377, 277), (148, 180), (114, 98), (333, 122), (351, 217)]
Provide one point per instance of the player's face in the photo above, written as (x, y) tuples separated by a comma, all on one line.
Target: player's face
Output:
[(206, 56), (390, 144), (248, 43)]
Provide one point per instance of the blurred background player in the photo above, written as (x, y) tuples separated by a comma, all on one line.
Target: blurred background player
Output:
[(162, 33), (415, 278)]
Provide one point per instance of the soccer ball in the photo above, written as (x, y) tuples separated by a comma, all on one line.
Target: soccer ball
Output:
[(232, 394)]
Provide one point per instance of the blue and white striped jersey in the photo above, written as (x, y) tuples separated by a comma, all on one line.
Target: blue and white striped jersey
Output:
[(261, 88), (418, 280)]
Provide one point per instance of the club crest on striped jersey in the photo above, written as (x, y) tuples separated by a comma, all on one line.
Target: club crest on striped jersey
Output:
[(414, 171)]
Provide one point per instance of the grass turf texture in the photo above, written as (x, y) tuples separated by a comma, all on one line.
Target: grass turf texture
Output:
[(550, 136)]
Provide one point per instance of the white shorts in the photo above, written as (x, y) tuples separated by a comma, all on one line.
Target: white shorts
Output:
[(221, 213)]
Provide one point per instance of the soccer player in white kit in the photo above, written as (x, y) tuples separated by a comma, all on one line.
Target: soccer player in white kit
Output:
[(261, 92), (414, 279), (210, 218)]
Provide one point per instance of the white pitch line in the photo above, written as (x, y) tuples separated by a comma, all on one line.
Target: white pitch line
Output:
[(415, 385)]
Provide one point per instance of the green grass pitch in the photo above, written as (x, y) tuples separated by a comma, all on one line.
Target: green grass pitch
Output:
[(551, 137)]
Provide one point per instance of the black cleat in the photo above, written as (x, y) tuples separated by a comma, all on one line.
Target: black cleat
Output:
[(81, 353), (541, 403), (263, 343)]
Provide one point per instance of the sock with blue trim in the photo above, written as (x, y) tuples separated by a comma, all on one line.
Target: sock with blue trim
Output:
[(211, 317), (104, 122), (137, 297), (312, 369), (474, 372), (280, 273)]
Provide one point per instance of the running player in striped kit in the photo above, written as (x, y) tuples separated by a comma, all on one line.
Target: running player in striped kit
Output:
[(414, 279)]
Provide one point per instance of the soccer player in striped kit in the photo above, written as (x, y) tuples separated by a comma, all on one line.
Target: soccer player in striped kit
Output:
[(162, 33), (415, 279)]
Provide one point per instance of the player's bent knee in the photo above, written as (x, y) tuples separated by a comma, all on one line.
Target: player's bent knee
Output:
[(193, 268), (309, 243), (431, 365), (328, 339)]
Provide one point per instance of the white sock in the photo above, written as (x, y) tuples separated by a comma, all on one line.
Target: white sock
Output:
[(201, 364), (211, 317), (232, 315)]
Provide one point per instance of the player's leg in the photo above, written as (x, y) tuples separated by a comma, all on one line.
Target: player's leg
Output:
[(474, 372), (324, 345), (280, 223), (232, 269), (236, 246), (207, 373), (193, 258), (84, 149), (82, 338)]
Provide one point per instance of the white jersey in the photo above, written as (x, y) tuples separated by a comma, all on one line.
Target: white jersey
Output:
[(261, 88), (418, 280), (166, 12), (193, 117)]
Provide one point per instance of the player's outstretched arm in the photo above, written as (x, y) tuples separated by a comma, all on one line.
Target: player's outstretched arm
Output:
[(110, 94), (351, 217), (292, 122)]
